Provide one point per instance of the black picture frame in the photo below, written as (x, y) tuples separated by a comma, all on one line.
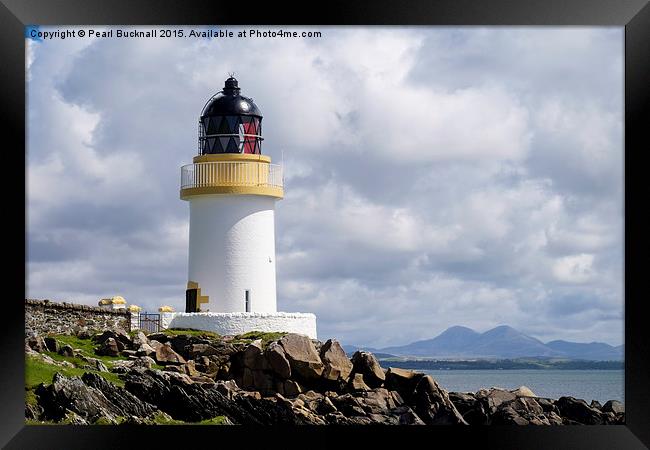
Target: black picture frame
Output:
[(634, 15)]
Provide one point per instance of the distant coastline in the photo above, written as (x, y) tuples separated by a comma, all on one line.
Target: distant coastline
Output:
[(502, 364)]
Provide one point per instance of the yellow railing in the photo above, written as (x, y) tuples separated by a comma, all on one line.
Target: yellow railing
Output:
[(231, 173)]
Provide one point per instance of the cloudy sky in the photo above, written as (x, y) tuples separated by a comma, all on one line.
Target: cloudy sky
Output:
[(433, 176)]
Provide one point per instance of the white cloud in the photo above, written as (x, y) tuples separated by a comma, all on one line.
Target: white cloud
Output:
[(574, 268), (434, 176)]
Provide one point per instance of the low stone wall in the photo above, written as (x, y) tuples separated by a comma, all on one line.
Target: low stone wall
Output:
[(232, 324), (43, 317)]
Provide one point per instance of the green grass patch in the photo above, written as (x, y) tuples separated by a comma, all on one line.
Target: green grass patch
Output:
[(30, 397), (191, 332), (44, 422), (266, 337), (87, 347), (38, 371), (219, 420), (160, 419)]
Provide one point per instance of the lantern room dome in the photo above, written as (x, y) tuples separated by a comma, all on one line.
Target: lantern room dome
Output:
[(230, 123), (229, 102)]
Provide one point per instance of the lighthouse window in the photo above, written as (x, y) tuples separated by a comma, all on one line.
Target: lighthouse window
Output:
[(230, 134), (248, 300)]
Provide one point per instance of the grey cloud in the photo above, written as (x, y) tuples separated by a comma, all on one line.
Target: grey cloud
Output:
[(386, 243)]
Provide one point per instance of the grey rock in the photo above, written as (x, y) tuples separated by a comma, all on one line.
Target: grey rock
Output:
[(578, 411), (302, 356), (278, 360), (109, 347), (357, 383), (51, 344), (166, 355), (366, 364), (336, 362), (433, 406), (613, 406)]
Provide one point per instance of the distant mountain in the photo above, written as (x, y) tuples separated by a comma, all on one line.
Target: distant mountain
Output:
[(453, 341), (596, 351), (500, 342)]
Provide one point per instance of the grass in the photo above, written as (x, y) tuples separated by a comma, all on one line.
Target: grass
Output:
[(191, 332), (219, 420), (30, 397), (161, 420), (87, 347), (38, 371), (266, 337)]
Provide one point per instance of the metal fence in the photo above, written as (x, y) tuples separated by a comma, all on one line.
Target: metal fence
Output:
[(150, 322)]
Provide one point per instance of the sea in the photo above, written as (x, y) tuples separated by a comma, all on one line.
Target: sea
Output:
[(600, 385)]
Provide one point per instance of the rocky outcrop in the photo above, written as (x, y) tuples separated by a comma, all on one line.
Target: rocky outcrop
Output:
[(337, 366), (367, 365), (302, 356), (293, 380)]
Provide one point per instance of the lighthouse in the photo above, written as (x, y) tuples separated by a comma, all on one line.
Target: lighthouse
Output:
[(232, 190)]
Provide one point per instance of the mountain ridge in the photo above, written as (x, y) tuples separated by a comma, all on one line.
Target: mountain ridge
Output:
[(502, 341)]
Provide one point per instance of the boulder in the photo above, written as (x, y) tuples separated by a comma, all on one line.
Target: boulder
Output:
[(469, 407), (160, 337), (379, 401), (508, 416), (596, 404), (51, 344), (407, 416), (262, 381), (433, 406), (181, 342), (337, 366), (72, 394), (190, 369), (109, 347), (577, 410), (357, 383), (492, 398), (166, 355), (402, 381), (139, 339), (84, 334), (128, 404), (613, 406), (366, 364), (66, 350), (143, 362), (278, 360), (119, 335), (98, 365), (37, 343), (145, 350), (302, 356), (291, 388), (523, 391), (547, 405), (253, 357)]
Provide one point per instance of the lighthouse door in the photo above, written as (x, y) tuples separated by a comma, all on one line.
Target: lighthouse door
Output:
[(191, 300)]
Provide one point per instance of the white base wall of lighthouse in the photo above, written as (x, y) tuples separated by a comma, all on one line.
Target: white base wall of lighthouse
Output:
[(232, 250), (232, 324)]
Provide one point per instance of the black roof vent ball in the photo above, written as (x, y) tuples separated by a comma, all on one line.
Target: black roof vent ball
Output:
[(230, 102)]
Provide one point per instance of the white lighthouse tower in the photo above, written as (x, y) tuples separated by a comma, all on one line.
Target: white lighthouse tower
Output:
[(232, 190)]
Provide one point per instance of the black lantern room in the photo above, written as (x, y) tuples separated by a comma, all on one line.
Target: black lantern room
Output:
[(230, 123)]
